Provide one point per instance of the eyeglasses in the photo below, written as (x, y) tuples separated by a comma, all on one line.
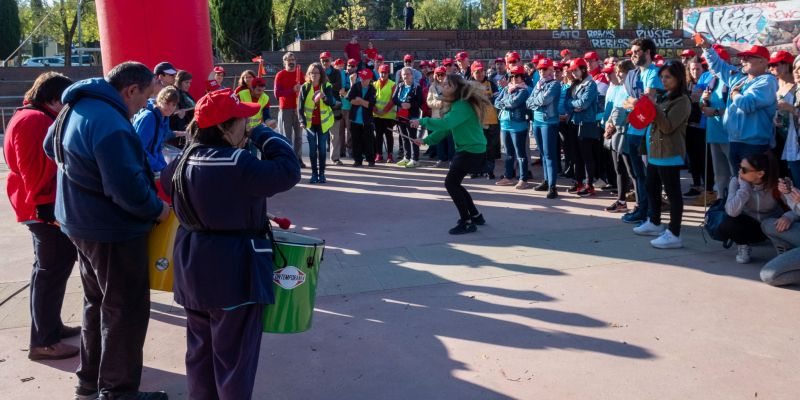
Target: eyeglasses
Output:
[(518, 76)]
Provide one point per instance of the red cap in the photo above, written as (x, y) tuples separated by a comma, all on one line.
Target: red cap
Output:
[(755, 51), (545, 63), (447, 61), (721, 52), (536, 58), (383, 68), (565, 52), (462, 55), (212, 85), (576, 63), (408, 57), (365, 74), (440, 70), (512, 55), (518, 70), (219, 70), (499, 60), (221, 105), (557, 65), (643, 113), (592, 55), (688, 53), (424, 63), (258, 81), (352, 62), (781, 56), (476, 65), (324, 54), (379, 58), (338, 61), (609, 68), (658, 57)]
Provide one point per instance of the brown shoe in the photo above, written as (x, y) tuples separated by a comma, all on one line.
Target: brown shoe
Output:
[(522, 185), (70, 331), (56, 351), (505, 182)]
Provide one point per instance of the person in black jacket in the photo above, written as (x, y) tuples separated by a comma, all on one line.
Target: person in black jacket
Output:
[(408, 98), (408, 14), (362, 98)]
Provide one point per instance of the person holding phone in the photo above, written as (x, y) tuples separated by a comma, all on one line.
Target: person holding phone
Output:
[(784, 234)]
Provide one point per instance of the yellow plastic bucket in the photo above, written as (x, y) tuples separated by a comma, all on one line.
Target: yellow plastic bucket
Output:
[(160, 244)]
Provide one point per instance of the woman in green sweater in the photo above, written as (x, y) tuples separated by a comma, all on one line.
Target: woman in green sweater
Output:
[(464, 121)]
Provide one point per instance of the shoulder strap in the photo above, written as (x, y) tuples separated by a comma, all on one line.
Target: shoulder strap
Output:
[(180, 193), (154, 142)]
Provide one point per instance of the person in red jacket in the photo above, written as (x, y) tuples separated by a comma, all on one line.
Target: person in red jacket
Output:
[(31, 188), (287, 86)]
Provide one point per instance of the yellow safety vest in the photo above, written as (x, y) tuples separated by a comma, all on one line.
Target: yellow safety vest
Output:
[(263, 101), (383, 97), (325, 112)]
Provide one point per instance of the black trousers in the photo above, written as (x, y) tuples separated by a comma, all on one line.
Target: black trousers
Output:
[(383, 129), (668, 178), (622, 180), (362, 142), (222, 349), (462, 164), (54, 257), (116, 311), (569, 140), (742, 229), (587, 160), (699, 158), (411, 150)]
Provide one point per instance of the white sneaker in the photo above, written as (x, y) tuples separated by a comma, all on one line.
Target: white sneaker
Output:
[(402, 163), (412, 164), (667, 241), (649, 229), (743, 254)]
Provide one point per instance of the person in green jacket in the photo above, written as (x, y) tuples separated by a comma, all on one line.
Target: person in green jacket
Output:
[(464, 121)]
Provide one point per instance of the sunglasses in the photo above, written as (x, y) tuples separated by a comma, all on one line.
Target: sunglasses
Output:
[(518, 76)]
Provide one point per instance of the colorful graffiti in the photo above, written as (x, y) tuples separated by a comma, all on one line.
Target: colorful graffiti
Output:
[(772, 24)]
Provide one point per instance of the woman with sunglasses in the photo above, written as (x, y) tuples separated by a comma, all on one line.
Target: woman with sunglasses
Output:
[(666, 147), (514, 128), (468, 101)]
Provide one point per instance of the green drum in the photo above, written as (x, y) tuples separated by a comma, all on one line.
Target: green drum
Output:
[(296, 271)]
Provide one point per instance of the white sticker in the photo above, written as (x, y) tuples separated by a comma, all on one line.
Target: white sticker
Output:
[(289, 277)]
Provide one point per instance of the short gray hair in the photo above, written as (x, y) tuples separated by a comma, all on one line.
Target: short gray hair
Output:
[(287, 55)]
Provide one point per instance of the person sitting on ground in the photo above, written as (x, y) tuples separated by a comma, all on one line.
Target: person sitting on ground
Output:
[(785, 236)]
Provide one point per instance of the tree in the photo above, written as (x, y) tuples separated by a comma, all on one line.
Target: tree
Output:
[(442, 14), (9, 27), (350, 17), (241, 27), (62, 23)]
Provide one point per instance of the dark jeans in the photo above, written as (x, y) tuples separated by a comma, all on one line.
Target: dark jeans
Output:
[(446, 148), (362, 142), (317, 148), (462, 164), (222, 349), (547, 141), (742, 229), (569, 145), (668, 178), (492, 135), (739, 151), (699, 158), (54, 257), (116, 311), (383, 129), (516, 154), (638, 169), (411, 150), (587, 161)]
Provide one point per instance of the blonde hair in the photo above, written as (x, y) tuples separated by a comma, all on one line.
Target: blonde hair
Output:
[(323, 77), (470, 91)]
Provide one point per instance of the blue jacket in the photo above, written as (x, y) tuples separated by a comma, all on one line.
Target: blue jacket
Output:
[(512, 108), (748, 117), (582, 102), (147, 122), (105, 190), (229, 262), (544, 102)]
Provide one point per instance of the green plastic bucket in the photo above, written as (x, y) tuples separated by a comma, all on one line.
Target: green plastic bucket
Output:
[(295, 275)]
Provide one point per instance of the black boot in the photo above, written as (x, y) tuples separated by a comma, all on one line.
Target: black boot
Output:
[(463, 227), (542, 187), (552, 193)]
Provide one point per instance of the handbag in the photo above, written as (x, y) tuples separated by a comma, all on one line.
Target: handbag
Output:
[(714, 217)]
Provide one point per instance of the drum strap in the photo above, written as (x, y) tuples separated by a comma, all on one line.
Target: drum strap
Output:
[(180, 193)]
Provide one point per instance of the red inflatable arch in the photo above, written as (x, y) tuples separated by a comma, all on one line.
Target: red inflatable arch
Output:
[(151, 31)]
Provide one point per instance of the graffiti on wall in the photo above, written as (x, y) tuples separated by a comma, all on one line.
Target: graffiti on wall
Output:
[(772, 24)]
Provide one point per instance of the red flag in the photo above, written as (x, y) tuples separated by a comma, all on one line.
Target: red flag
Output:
[(300, 79)]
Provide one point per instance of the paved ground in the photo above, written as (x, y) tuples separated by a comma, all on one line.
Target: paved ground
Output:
[(549, 300)]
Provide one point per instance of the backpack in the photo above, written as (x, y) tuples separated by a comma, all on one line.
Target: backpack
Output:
[(715, 216)]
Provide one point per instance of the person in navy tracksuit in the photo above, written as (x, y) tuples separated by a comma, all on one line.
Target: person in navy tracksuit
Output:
[(222, 257)]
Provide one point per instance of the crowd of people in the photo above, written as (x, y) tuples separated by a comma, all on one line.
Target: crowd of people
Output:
[(89, 177)]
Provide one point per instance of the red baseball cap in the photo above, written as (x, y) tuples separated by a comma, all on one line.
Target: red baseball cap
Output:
[(324, 54), (352, 62), (379, 58), (212, 85), (499, 60), (722, 53), (476, 65), (565, 52), (365, 74), (781, 56), (338, 61), (688, 53), (518, 70), (440, 70), (447, 61), (755, 51), (609, 68), (408, 57), (462, 55), (644, 112), (221, 105), (592, 55), (258, 81), (424, 63), (557, 65), (383, 68), (545, 63), (536, 58), (219, 70), (512, 55), (576, 63)]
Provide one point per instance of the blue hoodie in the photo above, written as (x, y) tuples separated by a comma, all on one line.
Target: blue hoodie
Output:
[(145, 122), (105, 190), (748, 117)]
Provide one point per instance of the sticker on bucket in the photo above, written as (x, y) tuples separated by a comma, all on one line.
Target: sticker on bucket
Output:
[(289, 277), (162, 264)]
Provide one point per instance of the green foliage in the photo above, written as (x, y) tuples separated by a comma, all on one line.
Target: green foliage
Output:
[(352, 17), (9, 27), (445, 14), (241, 27)]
